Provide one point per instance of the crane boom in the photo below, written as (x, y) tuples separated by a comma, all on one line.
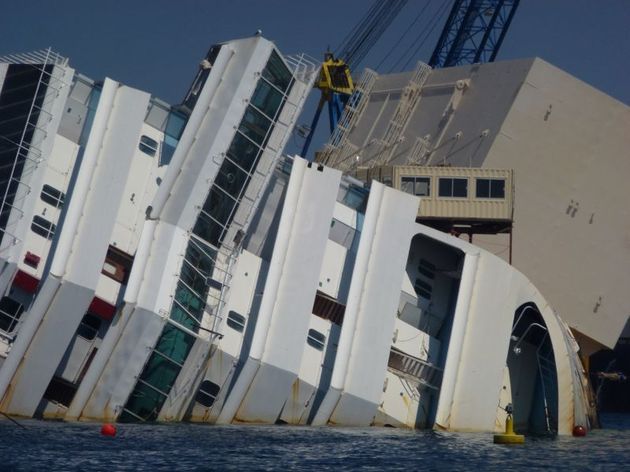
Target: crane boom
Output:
[(473, 32)]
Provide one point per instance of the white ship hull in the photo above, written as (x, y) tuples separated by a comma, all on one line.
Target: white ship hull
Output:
[(191, 273)]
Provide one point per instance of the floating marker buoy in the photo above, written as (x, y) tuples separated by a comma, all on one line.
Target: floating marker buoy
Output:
[(579, 431), (108, 429), (509, 437)]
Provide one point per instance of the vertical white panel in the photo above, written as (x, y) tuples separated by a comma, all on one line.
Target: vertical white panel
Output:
[(286, 339)]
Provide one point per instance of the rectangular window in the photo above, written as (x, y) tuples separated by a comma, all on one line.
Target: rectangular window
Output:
[(277, 72), (355, 198), (427, 269), (10, 312), (207, 393), (490, 188), (453, 187), (243, 152), (423, 289), (117, 265), (174, 129), (267, 98), (236, 321), (215, 217), (89, 326), (174, 344), (231, 179), (341, 233), (52, 196), (420, 186), (43, 227), (193, 304), (316, 339), (61, 391), (148, 145), (255, 126)]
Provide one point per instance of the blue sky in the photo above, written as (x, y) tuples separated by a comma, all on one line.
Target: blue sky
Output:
[(156, 45)]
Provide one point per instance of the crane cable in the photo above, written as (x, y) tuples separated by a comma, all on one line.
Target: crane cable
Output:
[(369, 30), (356, 28), (380, 27), (433, 22), (402, 36)]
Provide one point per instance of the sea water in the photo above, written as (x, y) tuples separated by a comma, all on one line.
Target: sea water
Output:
[(56, 446)]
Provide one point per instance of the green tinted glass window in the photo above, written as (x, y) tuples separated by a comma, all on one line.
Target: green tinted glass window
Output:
[(175, 343), (231, 179), (207, 229), (243, 152), (160, 373), (190, 300), (144, 402), (193, 278), (277, 72), (200, 257), (181, 316), (255, 125), (267, 99)]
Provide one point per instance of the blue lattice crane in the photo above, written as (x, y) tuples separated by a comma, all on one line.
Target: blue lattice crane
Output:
[(473, 32)]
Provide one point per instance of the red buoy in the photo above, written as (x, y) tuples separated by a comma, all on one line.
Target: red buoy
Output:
[(108, 429), (579, 431)]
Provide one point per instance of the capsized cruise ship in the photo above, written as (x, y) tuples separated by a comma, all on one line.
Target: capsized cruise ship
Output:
[(169, 263)]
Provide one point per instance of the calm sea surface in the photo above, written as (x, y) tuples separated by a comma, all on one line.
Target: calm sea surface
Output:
[(45, 446)]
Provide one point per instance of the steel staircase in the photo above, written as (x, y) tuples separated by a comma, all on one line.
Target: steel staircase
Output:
[(422, 373)]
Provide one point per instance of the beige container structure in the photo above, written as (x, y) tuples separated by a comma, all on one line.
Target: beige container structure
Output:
[(479, 203)]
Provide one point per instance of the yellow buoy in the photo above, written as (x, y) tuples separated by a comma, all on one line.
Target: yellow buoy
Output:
[(509, 437)]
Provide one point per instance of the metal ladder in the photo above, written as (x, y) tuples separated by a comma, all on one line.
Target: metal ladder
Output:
[(548, 381), (336, 148), (406, 106), (37, 120)]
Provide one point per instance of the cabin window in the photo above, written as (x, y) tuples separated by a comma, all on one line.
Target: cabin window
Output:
[(117, 265), (316, 339), (420, 186), (207, 393), (423, 289), (255, 125), (174, 129), (426, 268), (453, 187), (148, 145), (236, 321), (267, 98), (355, 198), (277, 72), (43, 227), (60, 391), (243, 152), (52, 196), (341, 233), (10, 312), (89, 326), (490, 188)]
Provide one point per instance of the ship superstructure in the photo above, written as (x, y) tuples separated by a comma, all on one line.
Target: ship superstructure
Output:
[(190, 271)]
